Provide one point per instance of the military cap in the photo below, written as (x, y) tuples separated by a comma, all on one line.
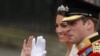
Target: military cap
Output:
[(80, 8)]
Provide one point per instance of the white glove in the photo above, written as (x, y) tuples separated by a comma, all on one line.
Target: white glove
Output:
[(38, 46)]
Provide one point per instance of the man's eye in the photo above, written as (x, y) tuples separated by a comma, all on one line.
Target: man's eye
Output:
[(62, 25), (72, 23)]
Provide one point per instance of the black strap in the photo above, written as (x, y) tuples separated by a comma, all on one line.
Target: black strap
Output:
[(94, 38)]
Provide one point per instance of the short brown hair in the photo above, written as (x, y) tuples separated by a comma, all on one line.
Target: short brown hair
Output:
[(94, 20)]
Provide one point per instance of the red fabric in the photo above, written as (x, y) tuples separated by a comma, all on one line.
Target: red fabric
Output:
[(81, 51), (94, 54)]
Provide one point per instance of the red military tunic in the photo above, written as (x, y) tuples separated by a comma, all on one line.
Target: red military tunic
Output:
[(90, 46)]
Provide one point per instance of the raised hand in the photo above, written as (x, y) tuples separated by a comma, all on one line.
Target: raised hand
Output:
[(38, 46), (27, 47)]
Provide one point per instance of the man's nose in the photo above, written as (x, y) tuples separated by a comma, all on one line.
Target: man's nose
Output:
[(68, 28)]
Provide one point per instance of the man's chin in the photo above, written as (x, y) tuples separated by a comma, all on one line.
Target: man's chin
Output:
[(71, 41)]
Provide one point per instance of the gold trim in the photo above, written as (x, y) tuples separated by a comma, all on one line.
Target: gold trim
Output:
[(86, 41), (73, 17)]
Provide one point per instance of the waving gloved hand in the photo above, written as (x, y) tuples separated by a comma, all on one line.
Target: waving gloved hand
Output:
[(38, 46)]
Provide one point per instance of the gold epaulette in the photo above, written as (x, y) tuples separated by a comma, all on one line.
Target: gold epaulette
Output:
[(96, 46), (88, 41), (84, 44)]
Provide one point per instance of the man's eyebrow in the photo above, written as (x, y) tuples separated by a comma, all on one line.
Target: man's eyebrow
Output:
[(64, 23)]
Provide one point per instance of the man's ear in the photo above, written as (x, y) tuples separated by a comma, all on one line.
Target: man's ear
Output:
[(89, 24)]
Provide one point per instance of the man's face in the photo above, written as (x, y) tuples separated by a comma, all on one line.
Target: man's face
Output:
[(77, 31)]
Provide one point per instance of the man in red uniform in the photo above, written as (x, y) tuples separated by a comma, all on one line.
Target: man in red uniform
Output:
[(82, 18)]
